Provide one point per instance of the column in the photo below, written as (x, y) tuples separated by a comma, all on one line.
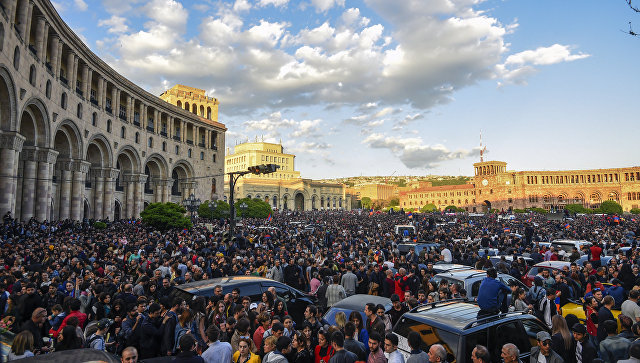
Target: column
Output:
[(30, 164), (45, 43), (27, 33), (98, 192), (75, 74), (158, 124), (54, 54), (157, 191), (166, 192), (83, 84), (139, 201), (183, 131), (10, 146), (66, 174), (40, 21), (13, 4), (100, 93), (143, 115), (128, 192), (80, 170), (45, 159), (70, 62), (104, 93), (170, 126), (109, 185), (156, 115), (88, 81), (114, 95), (59, 58), (116, 110)]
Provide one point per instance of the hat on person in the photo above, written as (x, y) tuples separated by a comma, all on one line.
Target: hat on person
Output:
[(579, 328), (253, 306), (103, 324), (543, 335)]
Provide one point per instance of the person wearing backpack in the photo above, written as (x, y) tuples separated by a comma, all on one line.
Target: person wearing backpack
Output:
[(97, 340), (536, 294), (168, 339), (546, 309), (386, 318), (182, 327)]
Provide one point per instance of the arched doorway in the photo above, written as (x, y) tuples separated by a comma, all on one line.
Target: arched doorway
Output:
[(299, 202), (284, 203), (86, 212), (486, 206), (116, 211)]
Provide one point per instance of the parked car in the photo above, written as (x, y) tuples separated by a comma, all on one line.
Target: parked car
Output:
[(418, 247), (527, 279), (471, 279), (250, 286), (455, 326), (355, 303), (497, 259), (445, 267)]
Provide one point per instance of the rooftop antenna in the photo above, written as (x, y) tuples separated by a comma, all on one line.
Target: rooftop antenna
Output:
[(482, 149)]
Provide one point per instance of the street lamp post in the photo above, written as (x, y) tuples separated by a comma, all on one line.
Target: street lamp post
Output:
[(191, 204), (243, 206)]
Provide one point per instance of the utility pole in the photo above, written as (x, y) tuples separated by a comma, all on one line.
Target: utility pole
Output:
[(233, 179)]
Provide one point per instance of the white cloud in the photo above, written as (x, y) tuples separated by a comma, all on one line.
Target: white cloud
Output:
[(276, 3), (545, 56), (307, 128), (241, 5), (324, 5), (80, 5), (115, 24), (413, 152)]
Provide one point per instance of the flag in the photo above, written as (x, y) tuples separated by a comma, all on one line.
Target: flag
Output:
[(269, 218), (410, 215), (507, 230), (567, 226)]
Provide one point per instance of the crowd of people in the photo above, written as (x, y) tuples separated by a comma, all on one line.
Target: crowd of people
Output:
[(68, 285)]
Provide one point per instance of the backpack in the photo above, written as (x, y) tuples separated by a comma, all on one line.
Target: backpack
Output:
[(180, 331), (388, 327), (536, 297), (87, 343)]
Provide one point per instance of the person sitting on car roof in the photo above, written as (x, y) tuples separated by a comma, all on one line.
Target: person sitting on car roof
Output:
[(491, 293)]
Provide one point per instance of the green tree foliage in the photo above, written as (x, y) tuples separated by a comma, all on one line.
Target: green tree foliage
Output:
[(537, 210), (577, 208), (99, 225), (164, 216), (609, 207), (428, 208), (220, 209), (394, 202), (519, 210), (451, 208), (461, 180), (635, 211), (256, 208), (366, 202)]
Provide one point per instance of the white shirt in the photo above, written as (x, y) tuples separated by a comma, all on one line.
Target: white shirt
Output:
[(395, 357), (447, 255)]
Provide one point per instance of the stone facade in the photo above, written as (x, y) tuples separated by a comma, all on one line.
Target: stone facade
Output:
[(493, 186), (284, 189), (78, 140)]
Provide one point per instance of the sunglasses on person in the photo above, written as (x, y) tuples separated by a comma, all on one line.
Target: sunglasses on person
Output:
[(546, 342)]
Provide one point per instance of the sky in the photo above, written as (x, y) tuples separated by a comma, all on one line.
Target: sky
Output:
[(392, 87)]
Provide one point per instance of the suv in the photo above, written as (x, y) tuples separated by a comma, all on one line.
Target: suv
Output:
[(471, 279), (454, 325), (250, 286), (565, 246)]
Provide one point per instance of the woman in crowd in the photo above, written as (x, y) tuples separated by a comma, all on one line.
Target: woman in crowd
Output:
[(361, 333), (323, 351), (561, 338), (244, 354), (300, 352), (68, 339), (22, 346)]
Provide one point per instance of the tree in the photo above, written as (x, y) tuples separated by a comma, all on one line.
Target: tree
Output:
[(394, 202), (256, 208), (451, 208), (164, 216), (577, 208), (428, 208), (537, 210), (610, 207), (635, 211), (366, 202)]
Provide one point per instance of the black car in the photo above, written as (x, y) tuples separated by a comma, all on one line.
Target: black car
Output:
[(250, 286), (454, 325), (355, 303)]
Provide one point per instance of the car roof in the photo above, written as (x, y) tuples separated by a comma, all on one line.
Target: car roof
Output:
[(359, 301), (571, 241), (453, 314), (450, 266), (195, 286), (462, 274), (553, 264)]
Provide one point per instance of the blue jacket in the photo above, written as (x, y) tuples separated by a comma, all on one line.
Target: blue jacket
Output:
[(617, 293), (488, 294)]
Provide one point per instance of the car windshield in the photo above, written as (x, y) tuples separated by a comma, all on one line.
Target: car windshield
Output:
[(430, 335)]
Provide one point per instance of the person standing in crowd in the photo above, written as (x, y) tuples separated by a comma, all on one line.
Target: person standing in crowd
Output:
[(416, 355), (335, 292), (511, 354), (613, 348), (544, 348), (376, 350), (437, 354), (391, 348), (490, 294), (582, 348), (217, 351), (480, 354), (341, 354)]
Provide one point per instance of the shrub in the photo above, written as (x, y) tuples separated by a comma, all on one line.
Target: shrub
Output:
[(428, 208), (164, 216), (635, 211), (610, 207), (99, 225)]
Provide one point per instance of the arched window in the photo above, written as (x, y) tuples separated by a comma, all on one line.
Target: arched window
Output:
[(201, 155), (16, 58), (63, 100), (137, 138), (177, 150), (209, 113), (213, 158), (179, 104), (1, 37), (150, 143), (94, 119), (164, 146), (79, 110), (109, 126), (32, 75), (47, 91), (189, 153), (123, 132)]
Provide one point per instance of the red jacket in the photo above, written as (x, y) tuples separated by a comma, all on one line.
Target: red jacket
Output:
[(82, 319)]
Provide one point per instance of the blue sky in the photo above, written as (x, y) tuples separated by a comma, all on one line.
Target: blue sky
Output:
[(377, 87)]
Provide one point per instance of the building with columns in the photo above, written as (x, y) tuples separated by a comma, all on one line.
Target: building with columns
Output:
[(284, 189), (495, 187), (78, 140)]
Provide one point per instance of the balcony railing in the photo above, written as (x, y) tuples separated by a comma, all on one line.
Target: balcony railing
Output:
[(176, 137), (79, 91), (32, 49), (108, 109), (136, 123), (119, 188), (64, 80), (163, 134), (150, 128), (148, 191), (190, 142), (123, 117), (48, 65), (94, 101), (201, 144)]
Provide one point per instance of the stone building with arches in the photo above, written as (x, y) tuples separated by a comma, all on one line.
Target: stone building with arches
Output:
[(284, 189), (495, 187), (78, 140)]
